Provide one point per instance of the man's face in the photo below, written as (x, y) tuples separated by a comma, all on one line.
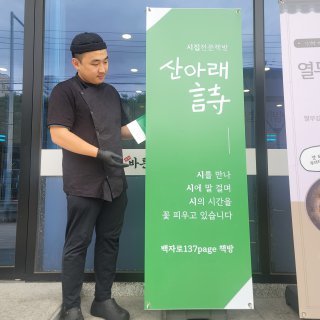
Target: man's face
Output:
[(93, 66)]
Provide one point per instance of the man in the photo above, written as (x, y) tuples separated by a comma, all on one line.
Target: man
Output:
[(87, 121)]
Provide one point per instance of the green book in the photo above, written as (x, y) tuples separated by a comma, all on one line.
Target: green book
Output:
[(138, 129)]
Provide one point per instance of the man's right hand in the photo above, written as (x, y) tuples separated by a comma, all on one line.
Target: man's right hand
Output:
[(111, 158)]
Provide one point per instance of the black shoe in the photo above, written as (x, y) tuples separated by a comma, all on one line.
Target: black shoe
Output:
[(71, 314), (109, 310)]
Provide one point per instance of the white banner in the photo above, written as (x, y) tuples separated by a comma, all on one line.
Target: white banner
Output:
[(300, 35), (51, 162)]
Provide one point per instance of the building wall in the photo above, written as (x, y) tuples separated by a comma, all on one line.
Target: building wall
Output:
[(42, 204)]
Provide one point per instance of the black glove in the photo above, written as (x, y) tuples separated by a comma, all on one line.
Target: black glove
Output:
[(111, 158)]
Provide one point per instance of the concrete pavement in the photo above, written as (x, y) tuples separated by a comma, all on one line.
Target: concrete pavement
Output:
[(41, 301)]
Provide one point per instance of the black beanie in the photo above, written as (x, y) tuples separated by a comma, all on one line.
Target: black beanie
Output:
[(87, 41)]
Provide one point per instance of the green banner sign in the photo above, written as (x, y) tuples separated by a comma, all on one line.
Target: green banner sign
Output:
[(197, 228)]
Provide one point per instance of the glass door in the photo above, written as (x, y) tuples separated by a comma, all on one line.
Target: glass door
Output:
[(122, 25), (11, 66)]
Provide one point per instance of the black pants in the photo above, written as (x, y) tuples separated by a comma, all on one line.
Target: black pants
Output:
[(85, 214)]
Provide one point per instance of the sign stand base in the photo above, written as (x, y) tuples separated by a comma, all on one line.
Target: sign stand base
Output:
[(194, 315), (291, 295)]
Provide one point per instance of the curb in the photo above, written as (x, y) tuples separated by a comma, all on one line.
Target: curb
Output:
[(56, 314)]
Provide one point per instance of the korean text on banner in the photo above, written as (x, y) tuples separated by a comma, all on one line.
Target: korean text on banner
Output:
[(197, 227), (300, 38)]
